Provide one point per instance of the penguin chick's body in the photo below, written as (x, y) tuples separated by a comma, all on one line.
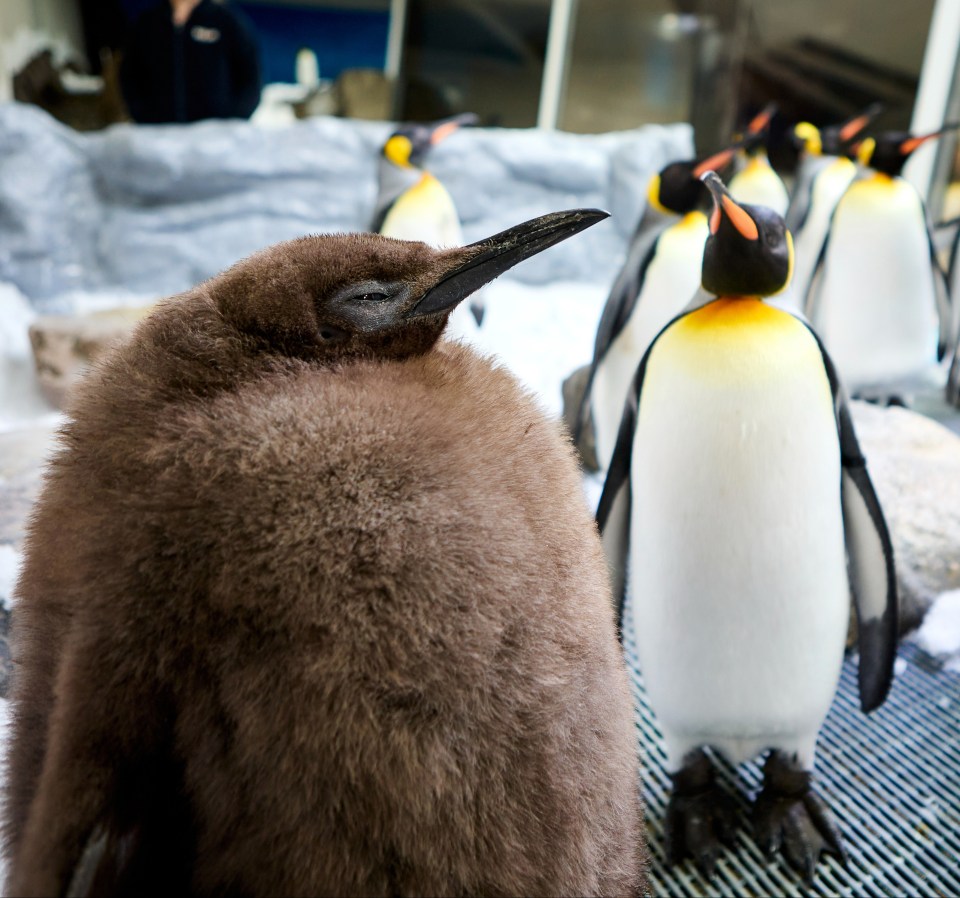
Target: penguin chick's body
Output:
[(312, 605), (879, 299)]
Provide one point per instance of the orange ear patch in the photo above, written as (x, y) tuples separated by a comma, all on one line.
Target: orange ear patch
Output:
[(740, 220)]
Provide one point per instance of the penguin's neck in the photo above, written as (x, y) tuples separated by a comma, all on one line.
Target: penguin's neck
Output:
[(395, 181)]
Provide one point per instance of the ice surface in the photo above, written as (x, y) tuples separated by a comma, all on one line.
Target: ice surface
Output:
[(940, 632)]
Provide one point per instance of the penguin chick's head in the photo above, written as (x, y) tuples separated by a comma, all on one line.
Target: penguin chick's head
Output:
[(676, 189), (347, 295), (749, 251), (409, 145), (888, 152)]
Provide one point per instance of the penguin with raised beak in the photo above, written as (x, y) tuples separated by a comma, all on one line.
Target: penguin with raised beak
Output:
[(312, 604), (739, 505)]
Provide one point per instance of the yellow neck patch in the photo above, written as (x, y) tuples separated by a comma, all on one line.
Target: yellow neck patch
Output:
[(737, 341)]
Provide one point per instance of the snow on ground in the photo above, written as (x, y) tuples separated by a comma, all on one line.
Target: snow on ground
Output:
[(939, 635), (10, 560)]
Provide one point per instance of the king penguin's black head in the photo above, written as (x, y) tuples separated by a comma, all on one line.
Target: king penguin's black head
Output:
[(340, 296), (749, 251), (409, 145), (888, 152), (677, 189)]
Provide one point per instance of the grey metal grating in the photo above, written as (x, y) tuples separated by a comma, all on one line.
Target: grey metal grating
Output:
[(891, 779)]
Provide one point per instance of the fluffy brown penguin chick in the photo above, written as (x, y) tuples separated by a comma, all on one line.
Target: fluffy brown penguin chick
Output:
[(312, 605)]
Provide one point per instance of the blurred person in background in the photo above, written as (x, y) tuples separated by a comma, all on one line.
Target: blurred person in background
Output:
[(190, 59)]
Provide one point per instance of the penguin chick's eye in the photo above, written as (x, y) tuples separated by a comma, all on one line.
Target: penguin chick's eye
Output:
[(372, 297)]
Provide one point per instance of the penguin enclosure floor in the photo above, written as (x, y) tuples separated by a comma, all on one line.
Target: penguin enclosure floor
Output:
[(891, 779)]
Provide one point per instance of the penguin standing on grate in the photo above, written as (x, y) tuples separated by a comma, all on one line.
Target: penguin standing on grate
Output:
[(412, 204), (311, 604), (736, 493), (878, 298)]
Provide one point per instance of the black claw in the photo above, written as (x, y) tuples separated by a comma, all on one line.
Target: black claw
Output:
[(788, 815), (699, 817)]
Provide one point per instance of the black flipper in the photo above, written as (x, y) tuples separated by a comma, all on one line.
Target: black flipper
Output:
[(615, 506), (870, 562), (622, 301)]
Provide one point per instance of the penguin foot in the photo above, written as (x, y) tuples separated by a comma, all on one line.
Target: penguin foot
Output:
[(700, 818), (788, 815)]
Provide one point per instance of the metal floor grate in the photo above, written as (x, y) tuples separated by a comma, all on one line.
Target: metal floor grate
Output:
[(891, 779)]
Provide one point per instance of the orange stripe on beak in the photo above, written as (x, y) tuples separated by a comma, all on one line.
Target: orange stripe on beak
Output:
[(854, 127), (442, 132), (718, 160), (761, 119), (908, 146), (740, 220)]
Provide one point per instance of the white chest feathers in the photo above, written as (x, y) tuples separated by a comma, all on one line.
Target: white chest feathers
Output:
[(670, 282), (876, 307), (826, 189), (424, 212), (737, 564), (757, 184)]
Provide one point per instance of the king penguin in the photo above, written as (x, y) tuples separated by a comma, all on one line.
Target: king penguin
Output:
[(659, 277), (879, 298), (312, 604), (824, 173), (755, 180), (736, 494), (412, 204)]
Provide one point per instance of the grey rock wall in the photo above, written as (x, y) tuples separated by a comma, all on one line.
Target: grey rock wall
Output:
[(154, 210)]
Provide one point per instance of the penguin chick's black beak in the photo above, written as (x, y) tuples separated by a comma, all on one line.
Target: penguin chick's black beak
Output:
[(495, 255)]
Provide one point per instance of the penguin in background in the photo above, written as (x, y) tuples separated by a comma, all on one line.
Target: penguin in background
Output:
[(312, 604), (737, 449), (878, 297), (824, 174), (953, 274), (755, 180), (659, 277), (413, 205)]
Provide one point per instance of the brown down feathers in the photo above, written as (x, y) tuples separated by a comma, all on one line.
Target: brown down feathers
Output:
[(295, 624)]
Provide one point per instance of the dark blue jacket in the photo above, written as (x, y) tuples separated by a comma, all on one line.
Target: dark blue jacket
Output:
[(206, 68)]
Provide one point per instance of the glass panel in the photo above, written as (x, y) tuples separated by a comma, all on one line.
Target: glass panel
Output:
[(482, 56), (715, 62)]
